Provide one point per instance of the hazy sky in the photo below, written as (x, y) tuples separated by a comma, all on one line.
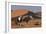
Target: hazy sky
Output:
[(33, 8)]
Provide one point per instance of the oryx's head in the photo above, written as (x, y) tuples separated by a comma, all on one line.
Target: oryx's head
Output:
[(19, 19)]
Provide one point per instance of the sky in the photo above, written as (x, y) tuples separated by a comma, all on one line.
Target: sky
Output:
[(33, 8)]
